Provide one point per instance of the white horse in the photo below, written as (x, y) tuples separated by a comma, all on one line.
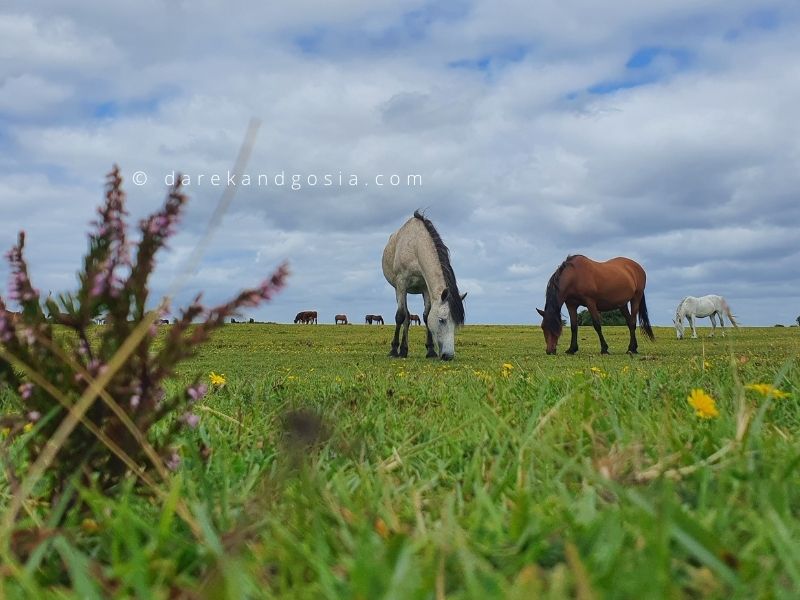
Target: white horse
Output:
[(416, 261), (705, 306)]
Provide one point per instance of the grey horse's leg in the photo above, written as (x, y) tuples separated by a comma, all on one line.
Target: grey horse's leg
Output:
[(713, 318), (400, 317), (721, 322), (691, 322), (431, 351)]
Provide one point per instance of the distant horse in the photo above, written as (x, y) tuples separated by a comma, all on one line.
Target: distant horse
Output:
[(373, 319), (341, 319), (705, 306), (416, 261), (414, 319), (306, 317), (599, 286)]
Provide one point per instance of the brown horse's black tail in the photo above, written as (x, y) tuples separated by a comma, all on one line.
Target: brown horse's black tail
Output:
[(644, 320)]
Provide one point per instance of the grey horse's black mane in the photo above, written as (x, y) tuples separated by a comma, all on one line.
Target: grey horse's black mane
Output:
[(453, 296), (552, 308)]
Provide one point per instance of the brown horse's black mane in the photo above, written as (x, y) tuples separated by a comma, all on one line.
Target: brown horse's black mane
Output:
[(552, 307), (453, 296)]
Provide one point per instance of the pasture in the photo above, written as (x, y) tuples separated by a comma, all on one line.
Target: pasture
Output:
[(324, 469)]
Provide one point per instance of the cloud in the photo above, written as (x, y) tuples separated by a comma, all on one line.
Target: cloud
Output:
[(667, 132)]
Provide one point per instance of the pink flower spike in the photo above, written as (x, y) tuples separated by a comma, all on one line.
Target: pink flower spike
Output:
[(173, 462), (197, 392), (191, 420)]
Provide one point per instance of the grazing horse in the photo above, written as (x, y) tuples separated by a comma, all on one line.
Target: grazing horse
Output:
[(341, 319), (416, 261), (599, 286), (414, 319), (306, 317), (705, 306)]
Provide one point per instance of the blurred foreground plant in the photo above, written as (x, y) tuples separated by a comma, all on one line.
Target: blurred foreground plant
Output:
[(52, 369)]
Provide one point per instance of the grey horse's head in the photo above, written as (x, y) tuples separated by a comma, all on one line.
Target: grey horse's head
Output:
[(442, 324)]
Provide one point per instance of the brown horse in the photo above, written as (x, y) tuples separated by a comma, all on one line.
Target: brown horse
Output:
[(306, 317), (599, 286), (414, 319), (373, 319), (341, 319)]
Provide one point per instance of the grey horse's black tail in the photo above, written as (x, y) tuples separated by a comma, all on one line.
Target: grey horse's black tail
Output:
[(644, 320)]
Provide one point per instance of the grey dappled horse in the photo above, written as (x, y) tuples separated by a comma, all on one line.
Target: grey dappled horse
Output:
[(416, 261)]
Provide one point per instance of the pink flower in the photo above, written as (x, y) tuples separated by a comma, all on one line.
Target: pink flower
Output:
[(26, 390), (173, 461), (197, 391), (191, 420)]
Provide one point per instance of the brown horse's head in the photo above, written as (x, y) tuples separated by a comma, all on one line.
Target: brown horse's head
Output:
[(551, 327)]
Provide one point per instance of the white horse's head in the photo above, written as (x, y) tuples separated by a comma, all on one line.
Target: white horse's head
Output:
[(678, 322), (442, 325)]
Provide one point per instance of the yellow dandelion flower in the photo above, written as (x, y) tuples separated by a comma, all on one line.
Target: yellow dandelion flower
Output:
[(90, 526), (217, 380), (28, 427), (597, 371), (704, 405), (5, 431), (625, 369), (506, 369), (767, 389), (381, 528)]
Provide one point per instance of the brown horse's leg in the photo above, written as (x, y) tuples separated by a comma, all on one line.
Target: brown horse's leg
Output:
[(597, 321), (572, 309), (630, 319)]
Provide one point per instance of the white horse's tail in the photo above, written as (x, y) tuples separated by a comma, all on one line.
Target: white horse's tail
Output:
[(727, 310)]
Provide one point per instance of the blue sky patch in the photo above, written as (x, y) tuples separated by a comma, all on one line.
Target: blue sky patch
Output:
[(510, 54), (411, 27), (644, 57)]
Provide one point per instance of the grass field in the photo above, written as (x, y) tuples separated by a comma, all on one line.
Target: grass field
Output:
[(324, 469)]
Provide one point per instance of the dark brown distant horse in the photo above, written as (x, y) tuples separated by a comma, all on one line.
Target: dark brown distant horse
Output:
[(306, 317), (374, 319), (341, 319), (414, 319), (599, 286)]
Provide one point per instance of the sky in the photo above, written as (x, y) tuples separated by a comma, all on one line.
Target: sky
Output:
[(665, 131)]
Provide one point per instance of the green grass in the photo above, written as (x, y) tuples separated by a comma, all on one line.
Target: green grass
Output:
[(467, 479)]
